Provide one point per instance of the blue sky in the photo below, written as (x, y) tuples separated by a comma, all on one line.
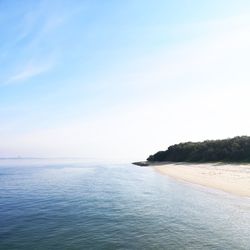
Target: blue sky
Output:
[(121, 79)]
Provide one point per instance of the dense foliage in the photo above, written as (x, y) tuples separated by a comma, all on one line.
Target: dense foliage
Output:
[(229, 150)]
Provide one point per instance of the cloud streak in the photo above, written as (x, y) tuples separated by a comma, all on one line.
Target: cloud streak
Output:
[(33, 37), (29, 71)]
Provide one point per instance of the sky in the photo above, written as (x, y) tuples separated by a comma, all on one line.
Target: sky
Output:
[(121, 79)]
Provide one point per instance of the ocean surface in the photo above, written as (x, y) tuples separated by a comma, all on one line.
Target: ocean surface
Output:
[(85, 205)]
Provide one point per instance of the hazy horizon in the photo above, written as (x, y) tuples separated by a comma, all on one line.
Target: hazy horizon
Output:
[(121, 79)]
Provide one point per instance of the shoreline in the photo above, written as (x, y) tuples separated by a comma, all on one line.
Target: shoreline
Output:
[(230, 178)]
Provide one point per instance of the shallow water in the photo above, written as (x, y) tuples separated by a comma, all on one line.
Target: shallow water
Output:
[(77, 205)]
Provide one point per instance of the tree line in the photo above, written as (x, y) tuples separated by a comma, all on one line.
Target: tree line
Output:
[(235, 149)]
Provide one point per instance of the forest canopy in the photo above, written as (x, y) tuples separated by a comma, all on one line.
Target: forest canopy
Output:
[(235, 149)]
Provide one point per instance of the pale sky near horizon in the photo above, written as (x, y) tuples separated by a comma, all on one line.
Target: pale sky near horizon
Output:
[(121, 79)]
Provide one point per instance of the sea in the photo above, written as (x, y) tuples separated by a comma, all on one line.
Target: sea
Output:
[(82, 204)]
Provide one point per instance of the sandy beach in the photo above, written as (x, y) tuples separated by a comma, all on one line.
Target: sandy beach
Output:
[(234, 179)]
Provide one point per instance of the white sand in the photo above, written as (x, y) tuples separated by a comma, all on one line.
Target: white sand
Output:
[(234, 179)]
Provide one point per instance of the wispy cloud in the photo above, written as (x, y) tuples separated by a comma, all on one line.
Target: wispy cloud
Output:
[(28, 72), (32, 36)]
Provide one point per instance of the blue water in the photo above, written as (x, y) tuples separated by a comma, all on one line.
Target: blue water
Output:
[(77, 205)]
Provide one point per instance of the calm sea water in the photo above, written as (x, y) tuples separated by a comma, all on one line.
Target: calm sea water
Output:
[(75, 205)]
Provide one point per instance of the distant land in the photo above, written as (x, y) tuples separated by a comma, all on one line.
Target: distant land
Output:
[(231, 150)]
